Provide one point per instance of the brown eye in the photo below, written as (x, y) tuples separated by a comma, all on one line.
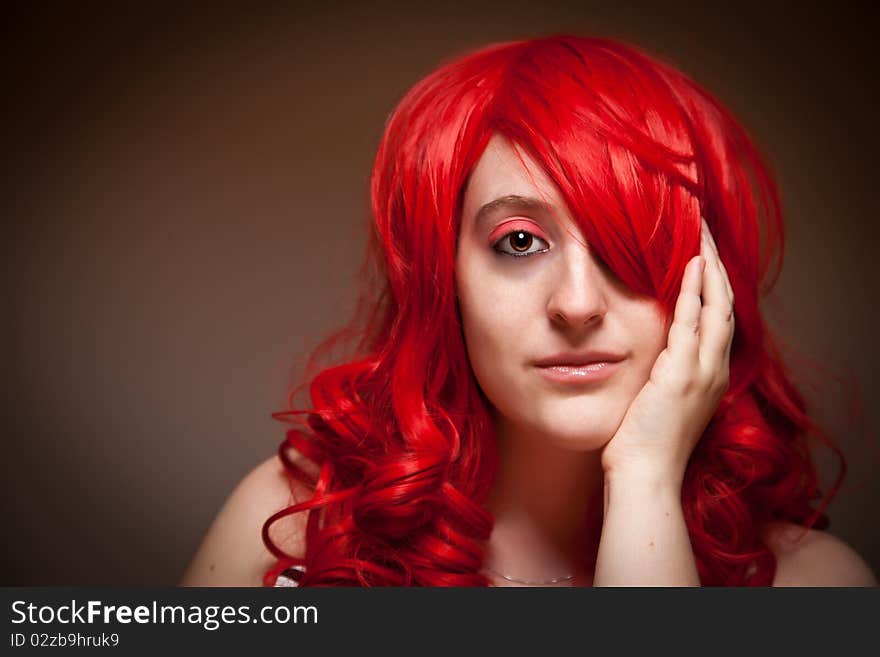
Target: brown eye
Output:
[(520, 240), (519, 243)]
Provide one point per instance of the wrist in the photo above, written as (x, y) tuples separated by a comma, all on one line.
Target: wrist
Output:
[(649, 492), (645, 478)]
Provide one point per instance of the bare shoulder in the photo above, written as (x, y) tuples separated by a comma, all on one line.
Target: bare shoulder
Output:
[(814, 558), (232, 552)]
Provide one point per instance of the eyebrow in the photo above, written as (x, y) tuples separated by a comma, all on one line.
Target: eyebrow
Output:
[(511, 202)]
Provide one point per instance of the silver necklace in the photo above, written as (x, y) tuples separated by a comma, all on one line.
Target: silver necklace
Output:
[(527, 582)]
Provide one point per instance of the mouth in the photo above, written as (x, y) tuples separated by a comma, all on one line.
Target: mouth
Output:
[(569, 373)]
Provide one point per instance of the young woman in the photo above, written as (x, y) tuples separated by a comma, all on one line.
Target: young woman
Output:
[(562, 376)]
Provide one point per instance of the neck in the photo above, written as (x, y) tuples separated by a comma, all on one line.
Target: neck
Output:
[(540, 502)]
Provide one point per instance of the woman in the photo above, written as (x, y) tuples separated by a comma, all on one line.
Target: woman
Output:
[(552, 385)]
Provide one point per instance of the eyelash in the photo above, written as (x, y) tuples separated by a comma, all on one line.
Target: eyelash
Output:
[(519, 255)]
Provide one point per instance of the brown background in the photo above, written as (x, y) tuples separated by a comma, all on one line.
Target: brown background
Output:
[(184, 201)]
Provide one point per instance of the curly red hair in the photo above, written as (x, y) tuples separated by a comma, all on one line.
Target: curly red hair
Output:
[(401, 432)]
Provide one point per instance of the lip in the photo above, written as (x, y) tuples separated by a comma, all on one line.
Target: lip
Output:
[(579, 374), (579, 368), (574, 359)]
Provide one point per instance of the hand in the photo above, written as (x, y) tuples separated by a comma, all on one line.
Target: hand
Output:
[(666, 419)]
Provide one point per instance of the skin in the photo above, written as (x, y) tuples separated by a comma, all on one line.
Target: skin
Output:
[(518, 309), (622, 444), (629, 435)]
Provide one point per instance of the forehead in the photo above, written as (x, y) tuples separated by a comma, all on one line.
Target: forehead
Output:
[(505, 170)]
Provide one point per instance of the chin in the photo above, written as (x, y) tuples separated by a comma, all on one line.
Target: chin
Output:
[(583, 441), (584, 422), (570, 424)]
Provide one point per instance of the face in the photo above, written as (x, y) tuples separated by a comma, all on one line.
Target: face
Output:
[(537, 307)]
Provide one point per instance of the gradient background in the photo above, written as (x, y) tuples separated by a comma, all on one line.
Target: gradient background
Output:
[(184, 204)]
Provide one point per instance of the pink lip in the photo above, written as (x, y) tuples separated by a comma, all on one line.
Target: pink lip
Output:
[(579, 374), (575, 359)]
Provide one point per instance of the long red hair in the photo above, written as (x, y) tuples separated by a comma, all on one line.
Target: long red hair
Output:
[(401, 432)]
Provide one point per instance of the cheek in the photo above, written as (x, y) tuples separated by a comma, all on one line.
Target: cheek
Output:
[(490, 328), (491, 309), (653, 341), (495, 325)]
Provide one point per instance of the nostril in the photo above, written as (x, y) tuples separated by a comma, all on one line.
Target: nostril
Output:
[(575, 318)]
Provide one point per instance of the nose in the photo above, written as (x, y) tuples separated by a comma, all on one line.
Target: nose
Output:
[(578, 289)]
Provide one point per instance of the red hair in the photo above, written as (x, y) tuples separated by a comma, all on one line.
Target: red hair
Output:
[(401, 431)]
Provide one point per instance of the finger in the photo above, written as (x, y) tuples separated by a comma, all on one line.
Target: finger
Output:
[(714, 246), (728, 284), (715, 295), (716, 319), (684, 339), (716, 339)]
